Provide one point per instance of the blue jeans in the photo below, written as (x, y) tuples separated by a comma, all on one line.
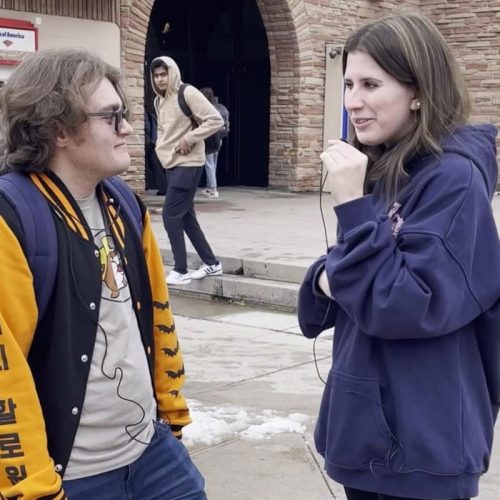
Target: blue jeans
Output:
[(210, 169), (163, 472)]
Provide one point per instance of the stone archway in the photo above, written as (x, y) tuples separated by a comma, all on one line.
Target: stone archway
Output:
[(298, 31), (285, 85), (292, 142)]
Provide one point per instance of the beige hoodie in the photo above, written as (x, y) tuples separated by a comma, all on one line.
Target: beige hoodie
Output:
[(173, 124)]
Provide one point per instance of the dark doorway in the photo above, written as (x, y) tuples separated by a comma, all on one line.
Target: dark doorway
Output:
[(221, 44)]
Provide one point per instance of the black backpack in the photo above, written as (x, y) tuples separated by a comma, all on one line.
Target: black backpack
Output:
[(212, 142), (224, 112)]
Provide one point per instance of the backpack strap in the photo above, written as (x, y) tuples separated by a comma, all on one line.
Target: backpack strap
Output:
[(39, 231), (184, 105), (128, 202)]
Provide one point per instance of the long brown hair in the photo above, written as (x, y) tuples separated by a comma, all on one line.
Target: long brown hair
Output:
[(45, 95), (410, 48)]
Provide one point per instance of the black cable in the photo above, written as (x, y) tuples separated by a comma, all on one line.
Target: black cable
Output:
[(118, 369), (321, 186)]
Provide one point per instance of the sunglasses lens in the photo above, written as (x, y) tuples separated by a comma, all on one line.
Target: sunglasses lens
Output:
[(120, 115)]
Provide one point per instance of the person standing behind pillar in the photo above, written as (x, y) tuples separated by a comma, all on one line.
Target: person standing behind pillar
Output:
[(180, 148), (212, 157)]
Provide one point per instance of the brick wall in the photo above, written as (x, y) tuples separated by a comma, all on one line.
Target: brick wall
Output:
[(297, 32), (134, 27), (472, 29), (303, 27)]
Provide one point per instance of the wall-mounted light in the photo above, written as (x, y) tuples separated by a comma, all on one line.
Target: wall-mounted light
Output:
[(334, 52)]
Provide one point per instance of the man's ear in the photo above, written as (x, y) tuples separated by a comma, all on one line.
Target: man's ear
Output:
[(61, 138)]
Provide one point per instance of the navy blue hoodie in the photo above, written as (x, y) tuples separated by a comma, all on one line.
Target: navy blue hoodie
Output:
[(414, 389)]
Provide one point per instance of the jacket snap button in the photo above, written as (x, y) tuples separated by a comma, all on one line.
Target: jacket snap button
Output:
[(58, 468), (84, 358), (96, 253), (92, 306), (74, 411)]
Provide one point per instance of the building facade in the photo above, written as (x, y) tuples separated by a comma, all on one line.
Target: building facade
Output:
[(299, 35)]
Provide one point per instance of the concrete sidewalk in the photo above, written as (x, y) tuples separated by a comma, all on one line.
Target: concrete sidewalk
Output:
[(263, 225), (258, 224), (244, 361)]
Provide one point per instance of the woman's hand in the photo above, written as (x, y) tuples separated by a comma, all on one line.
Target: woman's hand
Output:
[(346, 168)]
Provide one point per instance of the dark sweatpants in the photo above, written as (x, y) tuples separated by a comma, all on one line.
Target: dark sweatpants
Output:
[(179, 216), (353, 494)]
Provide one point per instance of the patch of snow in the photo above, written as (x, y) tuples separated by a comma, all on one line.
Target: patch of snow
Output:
[(215, 424)]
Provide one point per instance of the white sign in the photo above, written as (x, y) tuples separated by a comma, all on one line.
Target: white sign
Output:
[(17, 39)]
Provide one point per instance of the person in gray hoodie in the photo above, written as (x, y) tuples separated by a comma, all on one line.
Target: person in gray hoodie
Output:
[(180, 147)]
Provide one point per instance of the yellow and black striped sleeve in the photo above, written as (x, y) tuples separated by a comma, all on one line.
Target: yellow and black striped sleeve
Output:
[(168, 362), (26, 469)]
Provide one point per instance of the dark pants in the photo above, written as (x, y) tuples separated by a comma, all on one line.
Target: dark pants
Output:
[(164, 471), (179, 216), (365, 495)]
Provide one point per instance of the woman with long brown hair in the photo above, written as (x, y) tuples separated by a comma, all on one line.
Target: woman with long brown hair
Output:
[(413, 284)]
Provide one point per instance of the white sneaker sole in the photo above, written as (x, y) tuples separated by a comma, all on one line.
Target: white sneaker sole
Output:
[(216, 273)]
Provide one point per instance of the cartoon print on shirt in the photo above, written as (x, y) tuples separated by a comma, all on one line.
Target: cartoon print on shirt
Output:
[(112, 271)]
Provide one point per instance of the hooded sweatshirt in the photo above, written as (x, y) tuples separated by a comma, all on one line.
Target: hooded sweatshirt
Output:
[(414, 389), (174, 125)]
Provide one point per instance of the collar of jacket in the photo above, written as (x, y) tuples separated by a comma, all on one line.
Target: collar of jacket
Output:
[(66, 207)]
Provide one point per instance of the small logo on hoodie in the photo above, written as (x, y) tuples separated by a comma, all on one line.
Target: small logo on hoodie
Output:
[(396, 220)]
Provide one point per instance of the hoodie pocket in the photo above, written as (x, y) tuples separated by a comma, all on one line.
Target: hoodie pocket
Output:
[(352, 423)]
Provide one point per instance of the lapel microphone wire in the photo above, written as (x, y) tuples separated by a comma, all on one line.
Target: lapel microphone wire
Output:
[(321, 187)]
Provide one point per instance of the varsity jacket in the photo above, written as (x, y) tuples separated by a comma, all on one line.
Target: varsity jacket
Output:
[(45, 362), (414, 389), (174, 125)]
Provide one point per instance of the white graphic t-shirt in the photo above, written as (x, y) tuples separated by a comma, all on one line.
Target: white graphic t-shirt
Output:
[(116, 423)]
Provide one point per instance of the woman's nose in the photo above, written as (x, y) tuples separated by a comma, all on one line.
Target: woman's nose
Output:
[(352, 100)]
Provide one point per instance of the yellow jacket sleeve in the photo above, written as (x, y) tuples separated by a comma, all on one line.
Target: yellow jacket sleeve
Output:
[(26, 469), (168, 362)]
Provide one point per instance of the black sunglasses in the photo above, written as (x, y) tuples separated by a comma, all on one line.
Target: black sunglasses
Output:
[(119, 115)]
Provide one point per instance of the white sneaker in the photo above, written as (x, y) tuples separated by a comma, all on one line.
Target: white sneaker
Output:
[(175, 278), (206, 270), (211, 192)]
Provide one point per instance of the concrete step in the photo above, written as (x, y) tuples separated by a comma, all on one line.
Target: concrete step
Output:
[(273, 271), (266, 284), (243, 290)]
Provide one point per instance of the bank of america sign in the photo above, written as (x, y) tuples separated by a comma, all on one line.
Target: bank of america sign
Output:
[(19, 40)]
